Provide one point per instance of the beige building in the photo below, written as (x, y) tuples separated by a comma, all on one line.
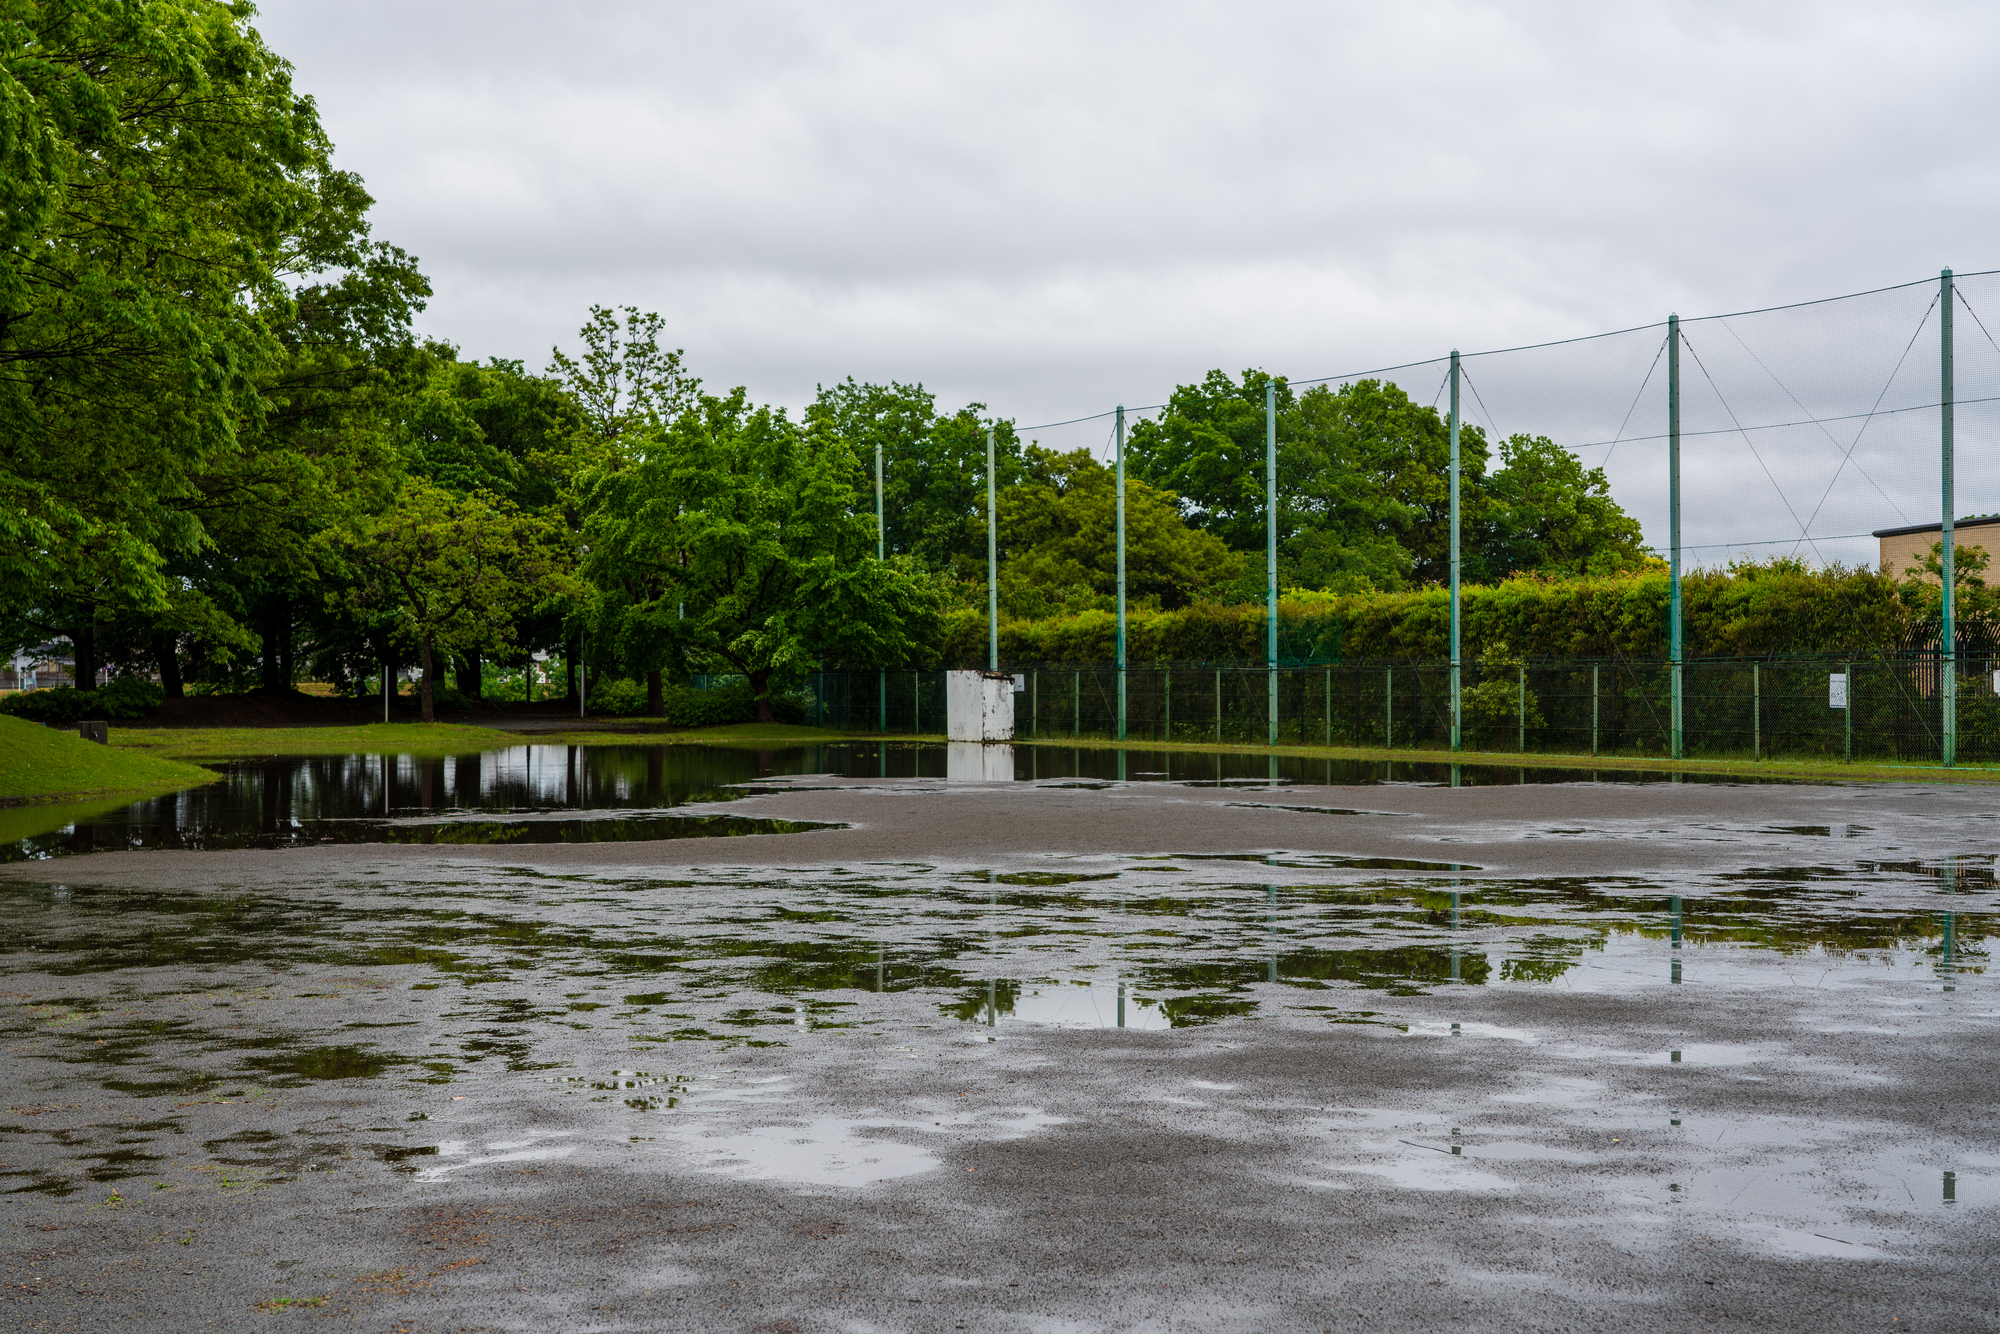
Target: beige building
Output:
[(1903, 548)]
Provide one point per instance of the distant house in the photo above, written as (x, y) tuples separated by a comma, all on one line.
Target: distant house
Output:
[(1905, 548)]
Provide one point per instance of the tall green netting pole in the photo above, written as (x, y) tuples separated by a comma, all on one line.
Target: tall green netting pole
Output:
[(1674, 527), (881, 553), (1121, 571), (992, 566), (1271, 549), (1455, 660), (1947, 638)]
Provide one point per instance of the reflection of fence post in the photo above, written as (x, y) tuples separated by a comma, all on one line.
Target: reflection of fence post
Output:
[(1674, 524), (1947, 641)]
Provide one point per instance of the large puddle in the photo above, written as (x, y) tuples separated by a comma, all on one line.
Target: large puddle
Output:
[(632, 998), (581, 794)]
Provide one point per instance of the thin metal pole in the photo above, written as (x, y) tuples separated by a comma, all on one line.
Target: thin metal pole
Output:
[(1521, 710), (1456, 698), (1388, 707), (1076, 703), (1167, 702), (1329, 707), (1674, 526), (385, 687), (1847, 670), (1218, 706), (1121, 571), (992, 565), (1271, 549), (1756, 711), (1948, 639), (1034, 704), (582, 682), (1593, 708)]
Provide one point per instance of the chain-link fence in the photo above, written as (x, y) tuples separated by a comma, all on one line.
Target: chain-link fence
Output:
[(1816, 708)]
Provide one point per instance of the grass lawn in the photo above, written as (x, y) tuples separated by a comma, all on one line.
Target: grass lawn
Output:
[(42, 764), (245, 743)]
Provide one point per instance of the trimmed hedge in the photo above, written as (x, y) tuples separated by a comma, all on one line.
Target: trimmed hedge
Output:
[(1780, 608), (125, 698)]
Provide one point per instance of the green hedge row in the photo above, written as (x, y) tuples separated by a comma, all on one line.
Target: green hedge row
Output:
[(123, 699), (1746, 611)]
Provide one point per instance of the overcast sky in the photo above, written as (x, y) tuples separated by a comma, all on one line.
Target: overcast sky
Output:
[(1051, 209)]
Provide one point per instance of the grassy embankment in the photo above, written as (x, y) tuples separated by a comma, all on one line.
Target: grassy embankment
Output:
[(40, 764), (447, 739)]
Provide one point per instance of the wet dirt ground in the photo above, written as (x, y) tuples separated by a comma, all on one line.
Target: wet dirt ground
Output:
[(1060, 1055)]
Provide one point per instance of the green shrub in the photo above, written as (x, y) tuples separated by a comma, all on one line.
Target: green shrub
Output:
[(687, 707), (617, 699), (126, 698)]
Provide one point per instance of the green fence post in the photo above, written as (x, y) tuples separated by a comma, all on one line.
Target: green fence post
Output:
[(1218, 707), (1076, 704), (1271, 549), (1521, 710), (1947, 641), (1388, 708), (1121, 573), (1329, 707), (1456, 697), (1167, 703), (1593, 708), (1847, 670), (1674, 527)]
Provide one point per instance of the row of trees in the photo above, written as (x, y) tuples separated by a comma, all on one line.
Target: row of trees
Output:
[(226, 458)]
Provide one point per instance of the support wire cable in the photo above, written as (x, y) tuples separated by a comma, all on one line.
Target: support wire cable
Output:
[(1635, 405), (1753, 448), (1869, 420), (1848, 455)]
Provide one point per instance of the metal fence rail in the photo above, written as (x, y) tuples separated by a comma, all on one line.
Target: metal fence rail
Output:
[(1742, 708)]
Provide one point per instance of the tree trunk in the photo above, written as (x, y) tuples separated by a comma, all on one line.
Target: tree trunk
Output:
[(167, 659), (760, 690), (469, 669), (83, 647), (273, 636), (656, 703), (430, 671)]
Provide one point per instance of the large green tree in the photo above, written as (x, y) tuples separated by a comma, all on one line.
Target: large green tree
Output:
[(736, 540), (933, 468), (1059, 530), (453, 572), (1364, 494), (156, 173)]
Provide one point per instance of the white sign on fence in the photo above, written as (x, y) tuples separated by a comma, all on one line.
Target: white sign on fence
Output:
[(1836, 690)]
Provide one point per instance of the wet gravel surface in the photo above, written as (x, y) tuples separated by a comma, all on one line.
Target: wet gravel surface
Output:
[(1027, 1057)]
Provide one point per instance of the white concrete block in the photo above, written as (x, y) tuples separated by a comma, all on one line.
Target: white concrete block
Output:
[(979, 706)]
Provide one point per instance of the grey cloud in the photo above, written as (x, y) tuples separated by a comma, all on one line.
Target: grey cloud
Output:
[(1050, 208)]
